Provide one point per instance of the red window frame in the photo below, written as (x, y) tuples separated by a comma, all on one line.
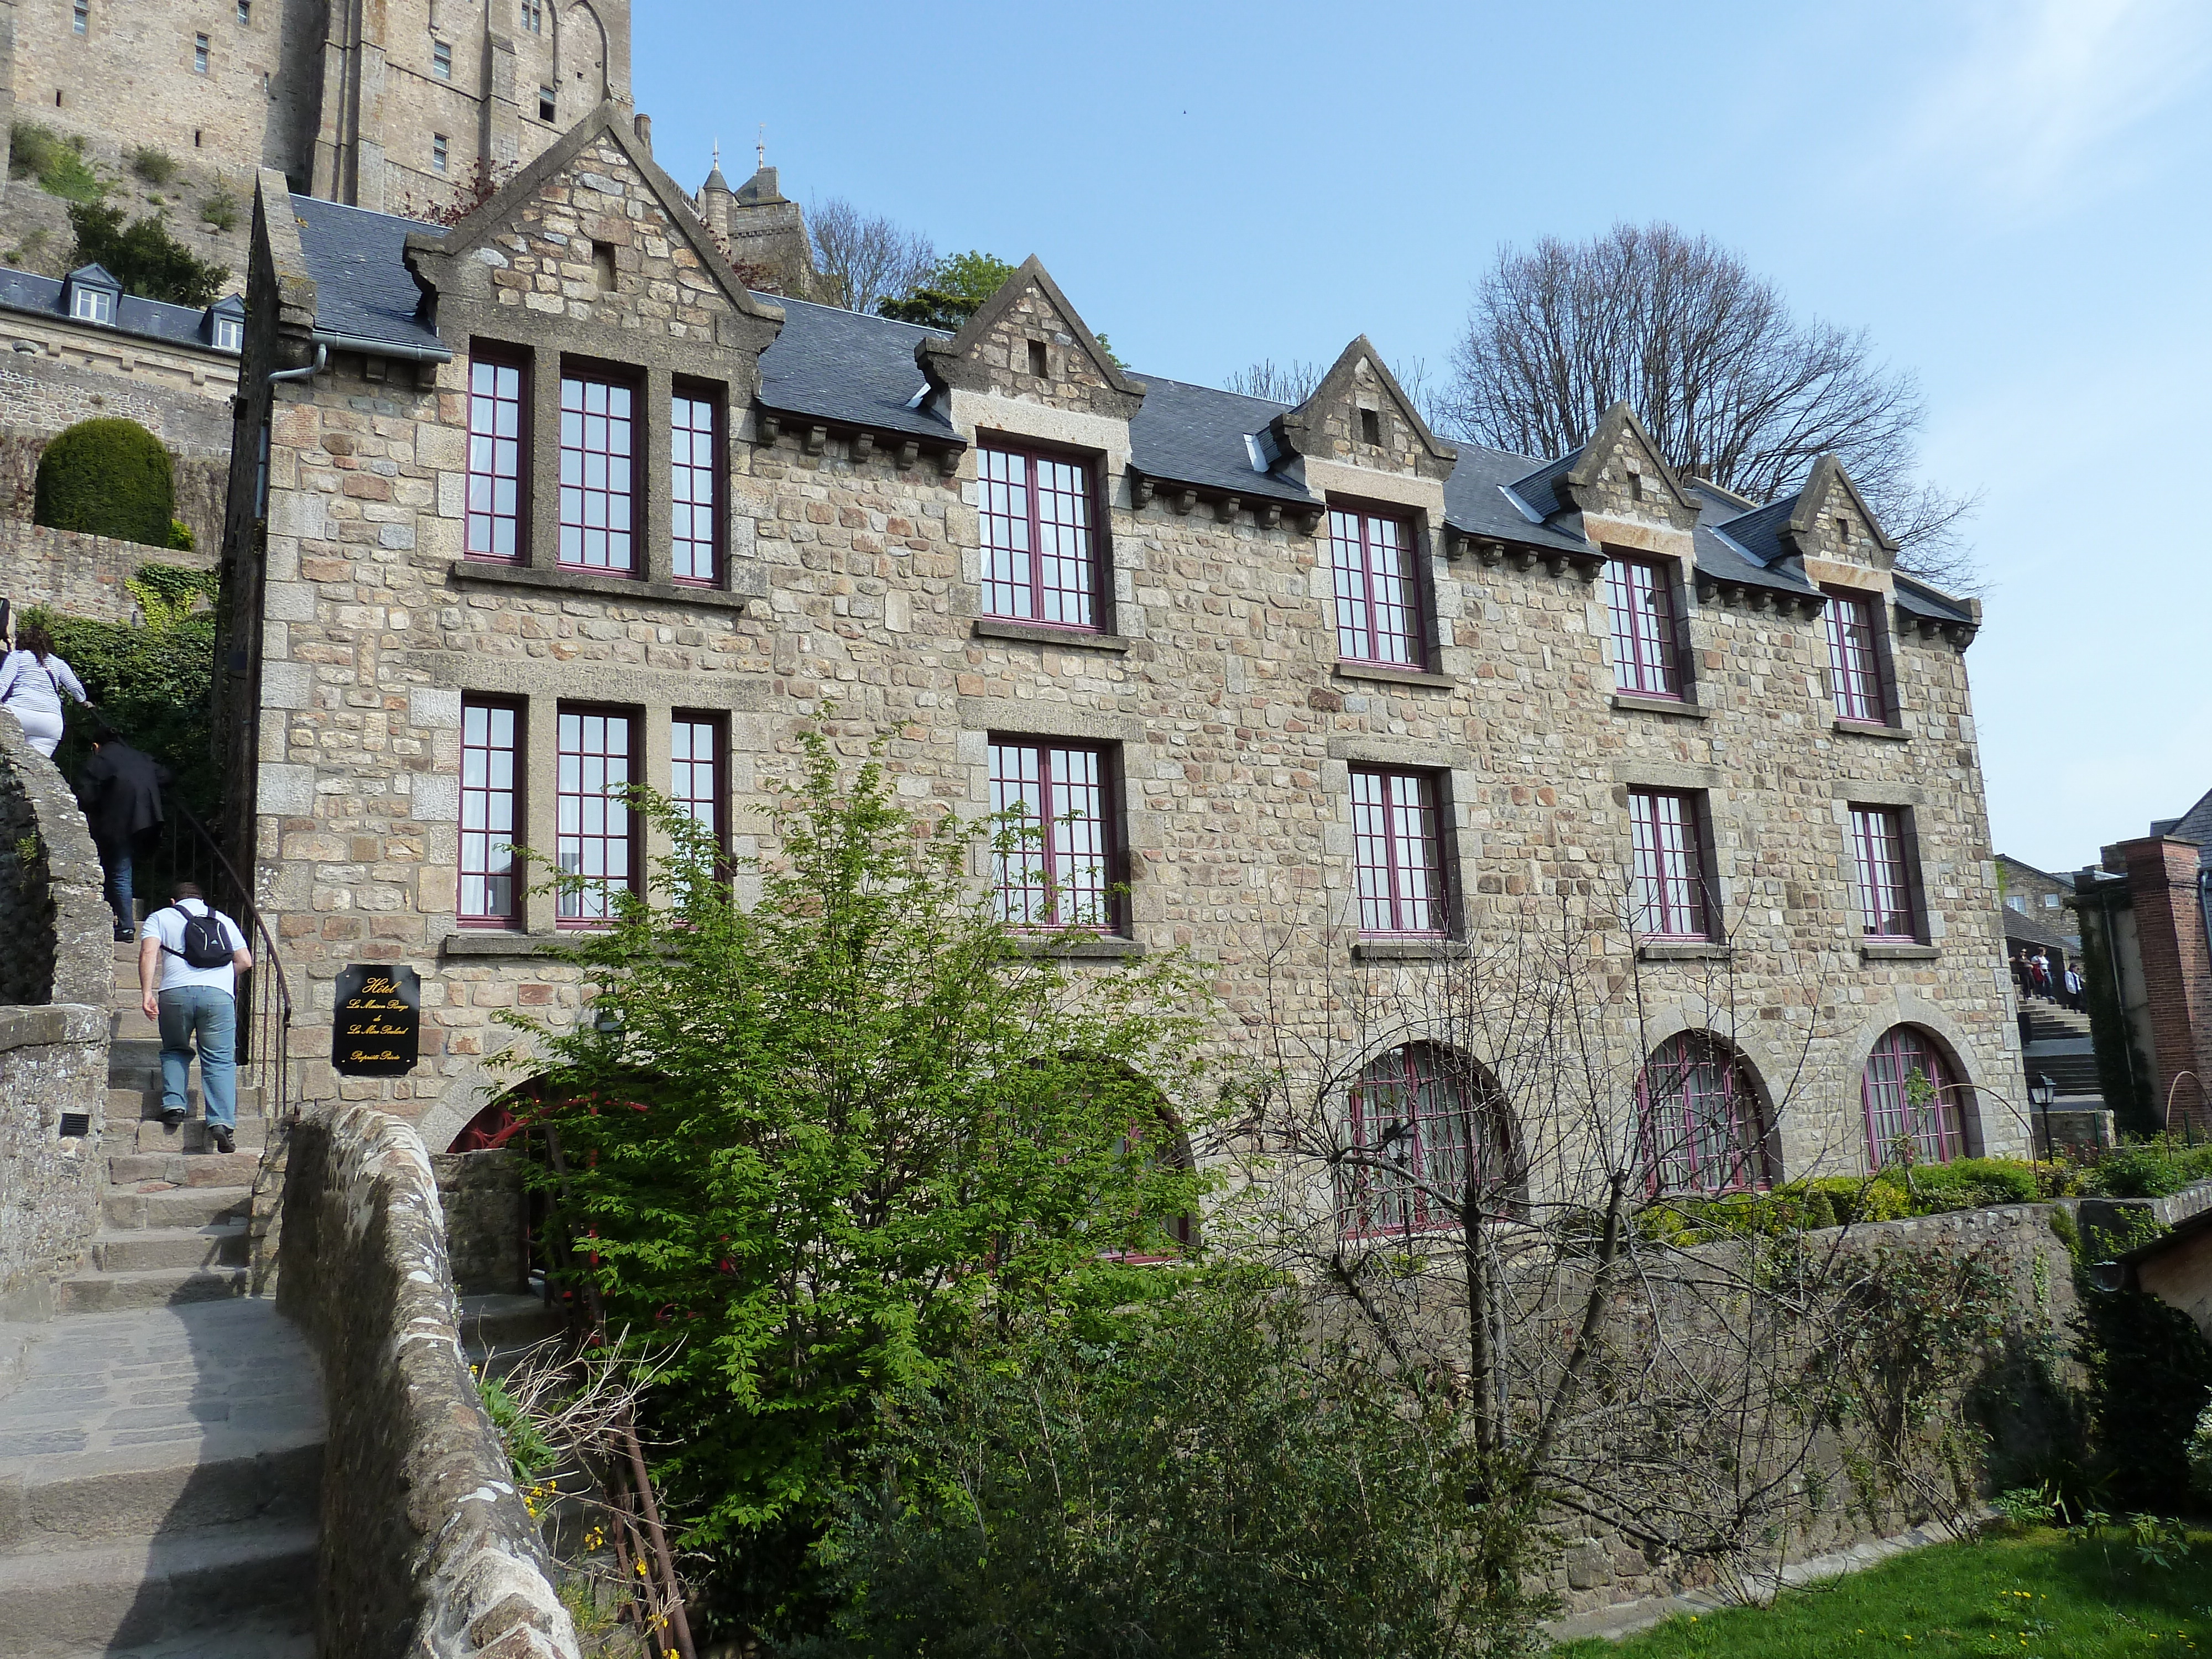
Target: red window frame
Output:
[(694, 485), (1700, 1124), (1061, 874), (595, 828), (1862, 691), (1428, 1112), (600, 456), (698, 770), (1668, 883), (1647, 650), (1939, 1129), (1037, 523), (491, 813), (1374, 559), (1889, 907), (499, 457), (1398, 864)]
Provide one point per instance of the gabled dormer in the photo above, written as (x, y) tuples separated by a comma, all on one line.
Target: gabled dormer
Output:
[(89, 295), (223, 324), (1831, 523), (1359, 416), (1027, 344), (1618, 478)]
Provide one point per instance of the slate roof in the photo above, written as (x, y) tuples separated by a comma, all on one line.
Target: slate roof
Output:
[(845, 367), (2194, 824), (363, 288), (151, 319)]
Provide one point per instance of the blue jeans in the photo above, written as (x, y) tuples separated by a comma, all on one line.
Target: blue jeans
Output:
[(115, 854), (201, 1014)]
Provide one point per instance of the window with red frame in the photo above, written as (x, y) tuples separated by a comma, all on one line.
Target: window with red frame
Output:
[(597, 450), (491, 754), (1378, 603), (694, 473), (1667, 879), (1040, 558), (1887, 909), (1934, 1123), (1700, 1121), (1053, 873), (595, 832), (1428, 1130), (496, 396), (1397, 852), (1646, 654), (695, 771), (1855, 660)]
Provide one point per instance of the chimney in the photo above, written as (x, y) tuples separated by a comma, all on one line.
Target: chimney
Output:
[(644, 124)]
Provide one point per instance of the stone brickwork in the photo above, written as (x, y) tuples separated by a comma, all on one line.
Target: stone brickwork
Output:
[(54, 975), (852, 594), (74, 574), (481, 1193), (427, 1547)]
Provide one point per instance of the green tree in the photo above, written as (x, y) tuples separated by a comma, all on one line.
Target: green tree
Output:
[(952, 292), (817, 1142), (144, 256), (107, 478), (1205, 1479)]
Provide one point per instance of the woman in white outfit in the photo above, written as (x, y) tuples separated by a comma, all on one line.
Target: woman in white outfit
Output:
[(31, 681)]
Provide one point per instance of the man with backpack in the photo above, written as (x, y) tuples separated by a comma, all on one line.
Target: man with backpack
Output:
[(189, 960)]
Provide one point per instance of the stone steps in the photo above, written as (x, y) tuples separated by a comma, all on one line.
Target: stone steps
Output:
[(139, 1250), (182, 1207), (145, 1589), (98, 1291)]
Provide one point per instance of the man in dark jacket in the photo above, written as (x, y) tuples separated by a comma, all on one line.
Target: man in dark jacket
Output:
[(121, 789)]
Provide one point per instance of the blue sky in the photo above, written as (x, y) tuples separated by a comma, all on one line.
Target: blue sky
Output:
[(2011, 198)]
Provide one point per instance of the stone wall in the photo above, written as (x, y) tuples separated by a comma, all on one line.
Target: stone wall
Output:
[(55, 972), (484, 1204), (427, 1546), (1835, 1505), (79, 575)]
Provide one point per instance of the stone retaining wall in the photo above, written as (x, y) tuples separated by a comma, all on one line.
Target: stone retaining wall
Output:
[(56, 965), (427, 1547), (76, 575)]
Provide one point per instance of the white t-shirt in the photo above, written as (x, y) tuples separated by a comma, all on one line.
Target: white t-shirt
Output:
[(168, 926)]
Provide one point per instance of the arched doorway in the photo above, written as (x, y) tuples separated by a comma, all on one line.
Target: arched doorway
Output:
[(1912, 1090), (1702, 1122), (1430, 1133)]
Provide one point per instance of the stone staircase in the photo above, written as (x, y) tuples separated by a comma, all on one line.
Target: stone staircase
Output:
[(160, 1441), (2059, 1047)]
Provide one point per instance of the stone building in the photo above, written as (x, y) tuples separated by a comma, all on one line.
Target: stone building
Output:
[(1338, 701), (378, 103)]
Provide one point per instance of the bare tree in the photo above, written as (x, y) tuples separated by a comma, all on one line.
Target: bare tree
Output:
[(1733, 386), (863, 257)]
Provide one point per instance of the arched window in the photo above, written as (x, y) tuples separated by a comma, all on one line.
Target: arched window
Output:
[(1911, 1089), (1702, 1126), (1162, 1143), (1429, 1128)]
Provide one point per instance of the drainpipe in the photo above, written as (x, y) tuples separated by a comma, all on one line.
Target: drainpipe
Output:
[(322, 361), (412, 354)]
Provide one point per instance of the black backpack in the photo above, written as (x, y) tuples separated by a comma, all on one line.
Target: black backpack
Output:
[(204, 943)]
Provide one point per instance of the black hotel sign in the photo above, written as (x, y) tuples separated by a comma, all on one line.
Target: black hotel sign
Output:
[(378, 1031)]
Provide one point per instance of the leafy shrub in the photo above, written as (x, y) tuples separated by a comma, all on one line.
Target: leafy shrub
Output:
[(1970, 1183), (528, 1451), (35, 151), (2200, 1455), (220, 209), (144, 256), (1202, 1482), (107, 477), (2149, 1168), (156, 166), (2150, 1379), (180, 536)]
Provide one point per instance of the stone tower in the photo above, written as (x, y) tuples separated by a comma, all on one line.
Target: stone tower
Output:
[(762, 231)]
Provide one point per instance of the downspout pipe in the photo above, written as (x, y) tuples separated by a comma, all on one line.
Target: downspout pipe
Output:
[(322, 362)]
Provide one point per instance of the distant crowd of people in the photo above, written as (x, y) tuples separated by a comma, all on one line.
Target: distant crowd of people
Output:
[(2034, 976), (190, 954)]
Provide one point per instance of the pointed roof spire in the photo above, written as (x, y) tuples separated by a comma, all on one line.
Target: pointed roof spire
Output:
[(714, 179)]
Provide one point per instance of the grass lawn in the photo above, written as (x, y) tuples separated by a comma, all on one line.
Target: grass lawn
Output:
[(2036, 1596)]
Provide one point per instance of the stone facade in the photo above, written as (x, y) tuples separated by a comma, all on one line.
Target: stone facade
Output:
[(850, 597), (54, 979), (74, 574), (345, 100)]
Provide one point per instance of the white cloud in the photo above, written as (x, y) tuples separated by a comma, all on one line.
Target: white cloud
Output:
[(2047, 95)]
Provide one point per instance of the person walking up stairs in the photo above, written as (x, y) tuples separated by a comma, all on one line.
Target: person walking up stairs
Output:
[(161, 1440)]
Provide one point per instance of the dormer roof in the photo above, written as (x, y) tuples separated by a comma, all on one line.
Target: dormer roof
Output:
[(93, 276), (1319, 426), (957, 361)]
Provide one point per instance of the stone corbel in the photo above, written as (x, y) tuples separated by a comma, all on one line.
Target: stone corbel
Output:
[(1589, 566), (1491, 553), (770, 429), (1268, 515), (1556, 563), (863, 444), (948, 461), (1225, 508), (909, 451), (817, 436), (1141, 489), (1524, 558), (1454, 546), (1184, 500), (1309, 521)]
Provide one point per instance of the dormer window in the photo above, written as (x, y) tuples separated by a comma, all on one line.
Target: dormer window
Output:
[(92, 304), (229, 334)]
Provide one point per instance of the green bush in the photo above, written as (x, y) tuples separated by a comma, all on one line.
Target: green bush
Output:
[(107, 477), (154, 685), (2147, 1169), (220, 209), (180, 536), (38, 152), (153, 164), (144, 256)]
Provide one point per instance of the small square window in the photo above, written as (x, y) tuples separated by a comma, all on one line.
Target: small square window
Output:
[(1370, 426), (92, 304), (245, 13), (229, 334), (1040, 363), (437, 152), (2051, 901), (441, 60), (199, 54), (80, 19), (548, 104)]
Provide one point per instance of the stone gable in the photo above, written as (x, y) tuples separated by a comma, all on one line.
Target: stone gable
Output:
[(1029, 325), (1833, 523), (1621, 475), (1359, 416)]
